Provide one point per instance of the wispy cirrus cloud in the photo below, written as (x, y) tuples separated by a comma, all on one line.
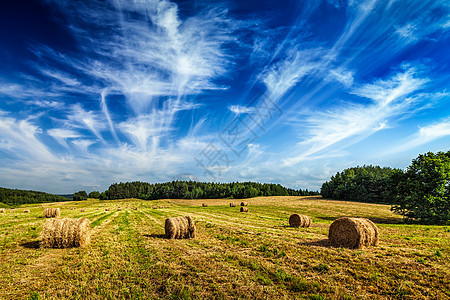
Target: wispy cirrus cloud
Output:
[(423, 136), (388, 99), (146, 85), (62, 135)]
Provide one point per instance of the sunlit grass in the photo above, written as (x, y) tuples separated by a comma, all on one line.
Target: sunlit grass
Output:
[(235, 255)]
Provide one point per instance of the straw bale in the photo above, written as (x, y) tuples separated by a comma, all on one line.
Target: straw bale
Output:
[(26, 210), (180, 228), (353, 233), (204, 204), (232, 204), (65, 233), (244, 209), (52, 212), (297, 220), (243, 203)]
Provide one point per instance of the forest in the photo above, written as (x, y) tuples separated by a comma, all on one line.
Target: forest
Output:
[(365, 184), (15, 197), (420, 192), (198, 190)]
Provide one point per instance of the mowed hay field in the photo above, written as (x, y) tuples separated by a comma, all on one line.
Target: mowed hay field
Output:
[(234, 255)]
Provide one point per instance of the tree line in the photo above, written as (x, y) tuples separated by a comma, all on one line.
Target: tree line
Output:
[(15, 197), (197, 190), (421, 192), (365, 184)]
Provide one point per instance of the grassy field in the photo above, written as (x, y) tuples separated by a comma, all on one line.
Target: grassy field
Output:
[(252, 255)]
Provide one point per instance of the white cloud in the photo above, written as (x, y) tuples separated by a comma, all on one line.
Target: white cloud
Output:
[(425, 135), (81, 118), (343, 76), (358, 121), (239, 109), (285, 74), (62, 135), (83, 144), (21, 137), (407, 33)]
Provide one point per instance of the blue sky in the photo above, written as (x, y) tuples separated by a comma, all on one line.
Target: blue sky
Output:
[(287, 92)]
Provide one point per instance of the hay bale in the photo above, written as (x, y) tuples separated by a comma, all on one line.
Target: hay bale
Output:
[(51, 212), (82, 209), (107, 209), (72, 208), (26, 210), (134, 208), (243, 203), (204, 205), (119, 209), (2, 210), (180, 228), (353, 233), (232, 204), (65, 233), (155, 207), (244, 209), (297, 220)]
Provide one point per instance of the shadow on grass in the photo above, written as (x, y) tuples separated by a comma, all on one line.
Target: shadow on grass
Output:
[(155, 236), (31, 245), (375, 220), (320, 243)]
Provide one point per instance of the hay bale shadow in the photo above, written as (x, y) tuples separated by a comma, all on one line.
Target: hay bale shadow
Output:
[(326, 243), (156, 236), (375, 220), (32, 245)]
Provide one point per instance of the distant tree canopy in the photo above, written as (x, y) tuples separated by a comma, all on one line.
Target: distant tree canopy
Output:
[(365, 184), (81, 195), (422, 192), (94, 194), (16, 197), (197, 190)]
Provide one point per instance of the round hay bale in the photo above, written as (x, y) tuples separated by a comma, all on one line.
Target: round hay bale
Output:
[(83, 209), (244, 209), (51, 212), (353, 233), (2, 210), (107, 209), (65, 233), (243, 203), (297, 220), (204, 205), (26, 210), (232, 204), (119, 209), (179, 228)]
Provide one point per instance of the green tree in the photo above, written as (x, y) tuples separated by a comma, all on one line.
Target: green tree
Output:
[(81, 195), (366, 184), (94, 194), (422, 192)]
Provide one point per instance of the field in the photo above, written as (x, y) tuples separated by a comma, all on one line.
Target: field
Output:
[(252, 255)]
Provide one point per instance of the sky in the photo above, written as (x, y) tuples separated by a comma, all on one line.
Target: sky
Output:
[(276, 91)]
